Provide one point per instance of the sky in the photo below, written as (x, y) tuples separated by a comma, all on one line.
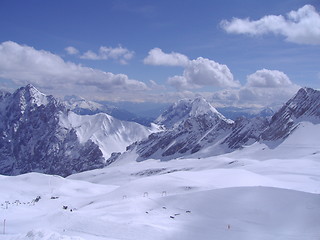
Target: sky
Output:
[(233, 53)]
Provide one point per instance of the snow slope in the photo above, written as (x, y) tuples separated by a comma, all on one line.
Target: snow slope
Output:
[(126, 203), (260, 192), (247, 194), (109, 133)]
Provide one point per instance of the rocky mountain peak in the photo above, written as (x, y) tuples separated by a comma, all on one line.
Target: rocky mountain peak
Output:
[(32, 138), (185, 109), (304, 106), (200, 106), (29, 94)]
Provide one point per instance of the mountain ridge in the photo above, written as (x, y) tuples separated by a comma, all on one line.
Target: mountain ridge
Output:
[(39, 133), (195, 133)]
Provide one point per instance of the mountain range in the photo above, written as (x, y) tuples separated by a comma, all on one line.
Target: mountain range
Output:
[(40, 133), (195, 126)]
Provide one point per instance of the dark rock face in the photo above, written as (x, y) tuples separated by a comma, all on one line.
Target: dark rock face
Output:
[(31, 138), (304, 106), (245, 132), (196, 130)]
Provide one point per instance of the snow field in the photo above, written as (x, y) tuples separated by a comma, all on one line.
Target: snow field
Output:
[(256, 193)]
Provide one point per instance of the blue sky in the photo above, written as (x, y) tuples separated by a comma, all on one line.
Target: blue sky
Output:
[(247, 52)]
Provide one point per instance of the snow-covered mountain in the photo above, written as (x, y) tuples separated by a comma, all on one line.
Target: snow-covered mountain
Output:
[(194, 125), (33, 140), (191, 125), (109, 133), (187, 108), (39, 133), (82, 106), (255, 192), (304, 106)]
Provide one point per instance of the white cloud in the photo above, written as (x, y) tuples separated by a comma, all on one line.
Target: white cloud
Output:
[(119, 53), (265, 78), (155, 86), (204, 72), (301, 26), (23, 64), (157, 57), (71, 50), (263, 88), (197, 73)]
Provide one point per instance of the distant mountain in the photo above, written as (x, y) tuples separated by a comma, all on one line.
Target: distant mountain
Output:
[(194, 126), (144, 113), (191, 124), (236, 112), (39, 133), (187, 108), (109, 133), (82, 106)]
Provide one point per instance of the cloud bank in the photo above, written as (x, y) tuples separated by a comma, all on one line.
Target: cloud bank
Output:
[(23, 64), (301, 26)]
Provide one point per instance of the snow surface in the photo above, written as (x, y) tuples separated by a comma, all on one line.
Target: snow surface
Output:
[(255, 193)]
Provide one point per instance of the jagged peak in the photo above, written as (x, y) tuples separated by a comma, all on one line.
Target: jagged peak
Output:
[(32, 94), (305, 91), (200, 106), (187, 108), (29, 88), (304, 105)]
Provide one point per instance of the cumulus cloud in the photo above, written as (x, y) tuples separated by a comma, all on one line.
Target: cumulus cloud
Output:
[(197, 73), (71, 50), (202, 72), (301, 26), (265, 78), (23, 64), (263, 88), (157, 57), (119, 53)]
